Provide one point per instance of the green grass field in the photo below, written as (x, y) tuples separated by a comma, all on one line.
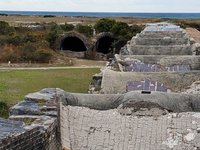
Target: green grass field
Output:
[(15, 84)]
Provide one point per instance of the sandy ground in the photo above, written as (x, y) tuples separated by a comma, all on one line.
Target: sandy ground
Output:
[(194, 33)]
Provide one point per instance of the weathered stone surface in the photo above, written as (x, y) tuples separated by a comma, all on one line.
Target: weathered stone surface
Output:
[(161, 61), (193, 89), (10, 127), (175, 102), (45, 95), (25, 108), (84, 128), (114, 82), (161, 50), (37, 125), (163, 41), (160, 39)]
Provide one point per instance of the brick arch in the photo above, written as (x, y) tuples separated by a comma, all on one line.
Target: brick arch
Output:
[(103, 42), (72, 41)]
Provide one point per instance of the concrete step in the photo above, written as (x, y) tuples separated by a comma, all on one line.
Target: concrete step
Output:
[(161, 50), (161, 41)]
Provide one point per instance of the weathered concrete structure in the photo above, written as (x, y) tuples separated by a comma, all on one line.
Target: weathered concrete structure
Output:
[(77, 45), (33, 123), (132, 121), (163, 53), (149, 100), (107, 121), (161, 39)]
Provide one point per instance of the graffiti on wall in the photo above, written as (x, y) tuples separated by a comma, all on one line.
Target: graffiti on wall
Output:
[(145, 85)]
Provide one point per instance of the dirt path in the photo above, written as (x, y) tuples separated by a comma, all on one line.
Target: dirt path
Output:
[(194, 33), (76, 63)]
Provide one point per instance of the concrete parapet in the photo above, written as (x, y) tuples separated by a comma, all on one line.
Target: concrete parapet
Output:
[(115, 82), (158, 120), (161, 50), (162, 60), (162, 41), (162, 34)]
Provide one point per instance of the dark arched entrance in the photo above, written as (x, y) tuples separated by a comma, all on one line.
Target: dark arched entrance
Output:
[(73, 44), (104, 44)]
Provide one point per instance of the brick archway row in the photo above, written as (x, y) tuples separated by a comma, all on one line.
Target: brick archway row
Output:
[(76, 42)]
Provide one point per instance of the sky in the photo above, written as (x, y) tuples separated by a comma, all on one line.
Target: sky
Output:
[(102, 5)]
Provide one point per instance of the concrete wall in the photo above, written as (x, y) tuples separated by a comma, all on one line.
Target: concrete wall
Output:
[(163, 41), (115, 82), (162, 60), (162, 34), (86, 124), (161, 50), (160, 40)]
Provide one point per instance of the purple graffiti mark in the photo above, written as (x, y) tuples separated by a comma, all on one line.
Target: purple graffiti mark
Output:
[(136, 66), (179, 68), (146, 85)]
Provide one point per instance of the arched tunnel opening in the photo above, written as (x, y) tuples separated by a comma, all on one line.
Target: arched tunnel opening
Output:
[(73, 44), (104, 44)]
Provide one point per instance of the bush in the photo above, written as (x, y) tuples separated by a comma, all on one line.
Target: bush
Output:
[(194, 25), (15, 40), (27, 52), (53, 34), (87, 30), (9, 53), (5, 29), (120, 29), (104, 25), (42, 55), (134, 29), (4, 110), (67, 27)]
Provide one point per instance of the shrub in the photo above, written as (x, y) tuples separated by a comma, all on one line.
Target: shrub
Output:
[(5, 29), (15, 40), (120, 29), (42, 55), (134, 29), (194, 25), (53, 34), (9, 53), (87, 30), (104, 25), (67, 27), (27, 52)]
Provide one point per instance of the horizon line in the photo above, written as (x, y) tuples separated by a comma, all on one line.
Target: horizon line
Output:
[(90, 11)]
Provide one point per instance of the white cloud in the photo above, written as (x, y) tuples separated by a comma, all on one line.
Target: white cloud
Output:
[(103, 5)]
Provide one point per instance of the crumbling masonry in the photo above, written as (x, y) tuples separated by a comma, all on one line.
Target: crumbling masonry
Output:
[(147, 98)]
